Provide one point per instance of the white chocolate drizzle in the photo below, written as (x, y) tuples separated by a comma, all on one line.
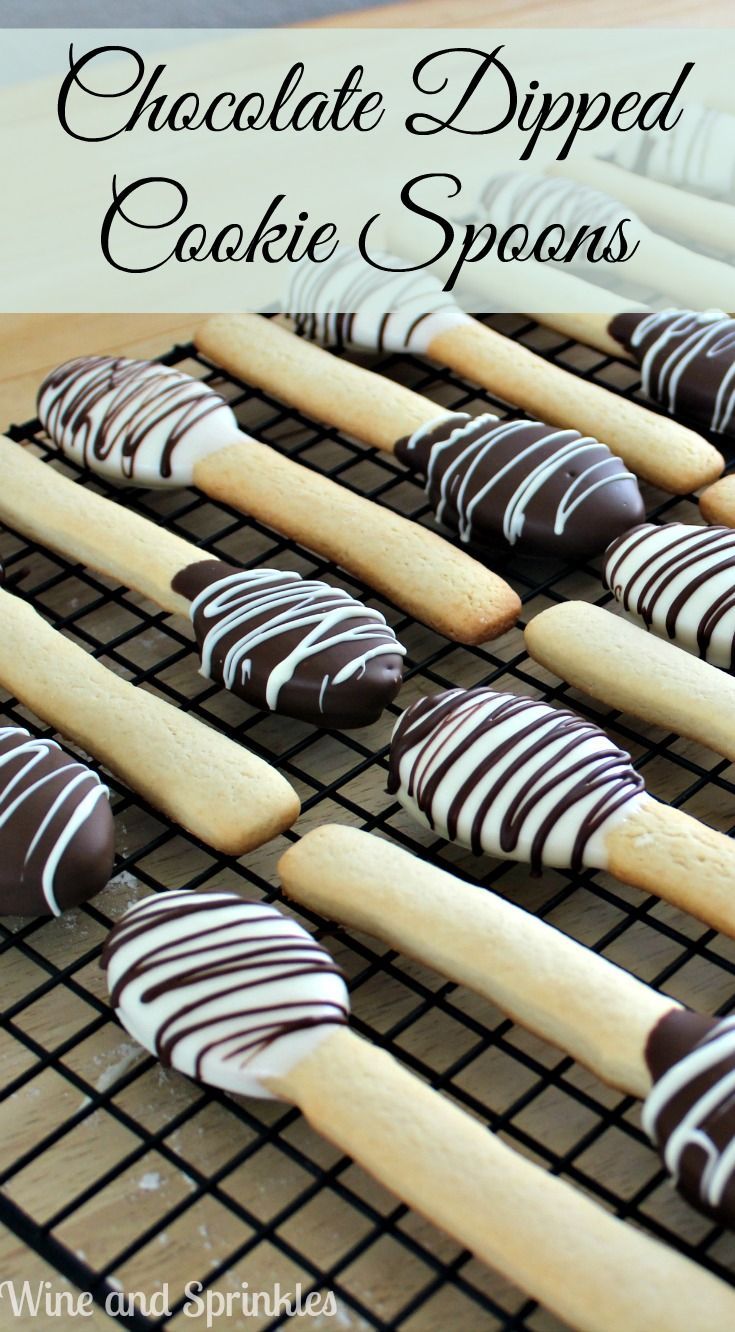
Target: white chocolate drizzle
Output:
[(80, 793), (469, 479), (716, 1095), (325, 617)]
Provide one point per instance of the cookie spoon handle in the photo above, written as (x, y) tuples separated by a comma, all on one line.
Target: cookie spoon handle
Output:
[(592, 1270)]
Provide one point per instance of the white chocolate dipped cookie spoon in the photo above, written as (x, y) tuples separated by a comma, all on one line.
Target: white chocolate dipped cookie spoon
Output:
[(295, 646), (147, 423), (520, 482), (537, 202), (404, 311), (631, 1037), (242, 997), (679, 581), (208, 784), (511, 777), (617, 662)]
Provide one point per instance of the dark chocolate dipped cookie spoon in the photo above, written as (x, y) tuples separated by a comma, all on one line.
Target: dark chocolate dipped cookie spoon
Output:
[(512, 483), (152, 425), (280, 642)]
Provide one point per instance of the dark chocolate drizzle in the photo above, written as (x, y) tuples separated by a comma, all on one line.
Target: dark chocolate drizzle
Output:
[(549, 490), (687, 362), (252, 962), (434, 735), (56, 827), (107, 405), (693, 557), (690, 1113), (299, 647)]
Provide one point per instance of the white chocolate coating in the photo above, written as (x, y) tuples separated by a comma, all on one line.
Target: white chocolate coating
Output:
[(698, 153), (134, 420), (359, 306), (512, 777), (224, 990), (680, 581)]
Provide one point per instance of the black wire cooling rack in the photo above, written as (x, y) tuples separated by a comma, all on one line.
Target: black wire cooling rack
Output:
[(117, 1175)]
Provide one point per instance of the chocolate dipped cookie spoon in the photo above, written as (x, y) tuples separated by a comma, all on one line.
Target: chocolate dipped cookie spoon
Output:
[(149, 424), (291, 645), (519, 482), (679, 581), (208, 784), (57, 837), (510, 776), (515, 198), (404, 311), (240, 996), (630, 1036)]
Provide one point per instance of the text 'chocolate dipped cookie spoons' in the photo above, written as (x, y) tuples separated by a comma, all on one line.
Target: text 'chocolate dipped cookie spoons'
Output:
[(519, 483), (512, 777), (242, 997), (629, 1035), (57, 835), (149, 424), (292, 645), (408, 312)]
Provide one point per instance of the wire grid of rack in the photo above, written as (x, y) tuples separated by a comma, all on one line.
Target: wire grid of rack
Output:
[(118, 1175)]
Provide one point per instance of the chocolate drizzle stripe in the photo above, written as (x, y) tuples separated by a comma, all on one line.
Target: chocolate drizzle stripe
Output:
[(695, 153), (292, 645), (538, 202), (499, 773), (240, 975), (130, 418), (526, 481), (690, 1111), (687, 362), (48, 811), (679, 581), (389, 310)]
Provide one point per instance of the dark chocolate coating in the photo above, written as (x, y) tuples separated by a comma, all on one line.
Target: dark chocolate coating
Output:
[(685, 1042), (247, 627), (47, 862), (687, 361), (524, 483)]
